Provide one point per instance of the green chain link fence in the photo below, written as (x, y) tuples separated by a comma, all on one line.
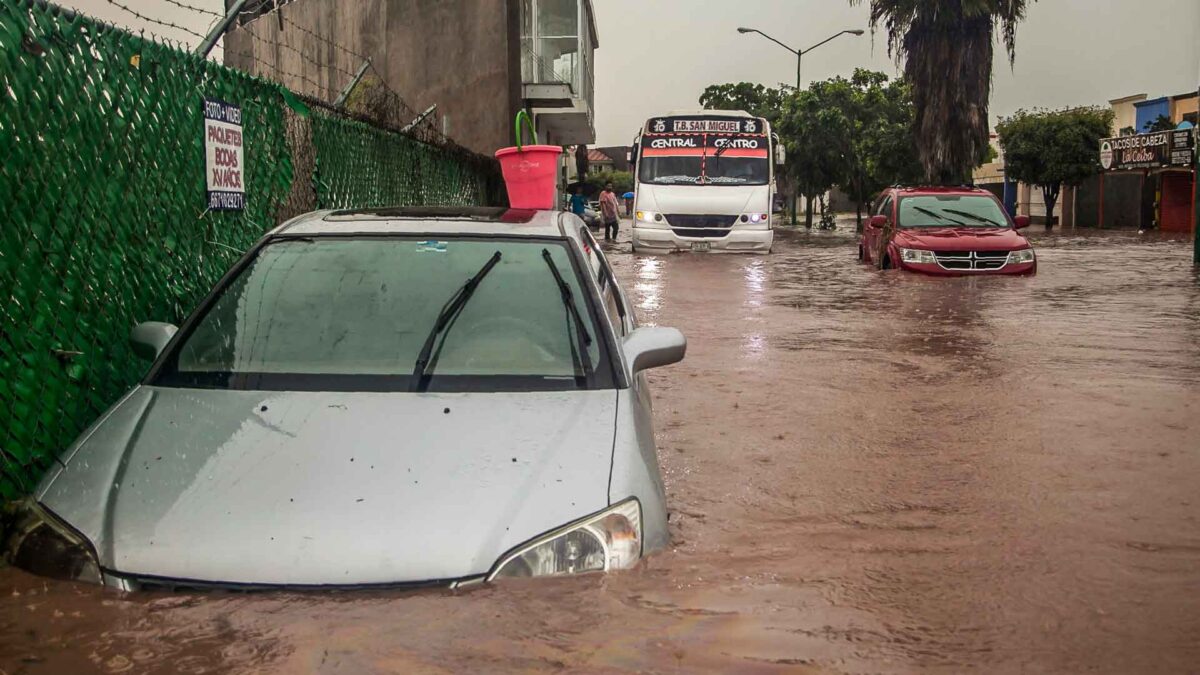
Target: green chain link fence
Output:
[(102, 184)]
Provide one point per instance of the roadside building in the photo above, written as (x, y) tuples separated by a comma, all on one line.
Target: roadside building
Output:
[(1148, 178), (1125, 114), (477, 61)]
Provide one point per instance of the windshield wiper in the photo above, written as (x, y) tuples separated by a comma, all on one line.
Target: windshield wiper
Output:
[(973, 216), (580, 363), (935, 214), (427, 360)]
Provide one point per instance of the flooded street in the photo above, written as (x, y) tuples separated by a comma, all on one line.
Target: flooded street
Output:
[(866, 471)]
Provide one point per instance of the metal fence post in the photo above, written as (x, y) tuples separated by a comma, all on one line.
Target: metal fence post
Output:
[(219, 29)]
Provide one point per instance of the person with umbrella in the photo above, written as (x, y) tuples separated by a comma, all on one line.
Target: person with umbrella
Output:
[(628, 197)]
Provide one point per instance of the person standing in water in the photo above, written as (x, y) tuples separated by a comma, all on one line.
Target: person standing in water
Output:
[(609, 212), (578, 201)]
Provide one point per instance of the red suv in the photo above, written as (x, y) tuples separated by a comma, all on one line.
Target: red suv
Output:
[(947, 231)]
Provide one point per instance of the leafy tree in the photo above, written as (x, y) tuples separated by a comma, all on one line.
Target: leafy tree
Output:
[(1163, 123), (1050, 148), (622, 180), (753, 98), (946, 46), (855, 133)]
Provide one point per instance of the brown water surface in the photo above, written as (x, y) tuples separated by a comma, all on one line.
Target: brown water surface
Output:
[(867, 472)]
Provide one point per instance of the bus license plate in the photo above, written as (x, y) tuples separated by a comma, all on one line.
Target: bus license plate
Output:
[(700, 246)]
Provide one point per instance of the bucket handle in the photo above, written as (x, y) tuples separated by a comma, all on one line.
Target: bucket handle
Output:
[(523, 115)]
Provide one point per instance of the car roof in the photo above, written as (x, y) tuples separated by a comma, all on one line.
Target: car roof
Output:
[(444, 220), (939, 190)]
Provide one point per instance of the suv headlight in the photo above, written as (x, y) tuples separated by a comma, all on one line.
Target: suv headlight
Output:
[(916, 255), (38, 542), (649, 217), (1022, 256), (611, 539)]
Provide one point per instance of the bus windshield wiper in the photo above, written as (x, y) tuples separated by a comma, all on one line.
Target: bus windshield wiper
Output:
[(972, 216), (935, 214), (427, 360), (580, 362)]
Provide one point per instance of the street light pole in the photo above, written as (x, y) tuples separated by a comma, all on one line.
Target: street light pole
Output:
[(799, 60), (801, 52)]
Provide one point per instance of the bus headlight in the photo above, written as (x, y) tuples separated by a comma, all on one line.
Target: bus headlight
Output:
[(649, 217)]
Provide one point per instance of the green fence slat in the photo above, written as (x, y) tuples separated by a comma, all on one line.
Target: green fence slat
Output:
[(103, 181)]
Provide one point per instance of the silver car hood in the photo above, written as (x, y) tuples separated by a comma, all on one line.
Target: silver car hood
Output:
[(331, 488)]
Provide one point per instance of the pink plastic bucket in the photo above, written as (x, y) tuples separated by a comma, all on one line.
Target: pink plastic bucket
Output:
[(530, 173)]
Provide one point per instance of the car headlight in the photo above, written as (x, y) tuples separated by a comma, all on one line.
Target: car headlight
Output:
[(38, 542), (916, 255), (611, 539), (650, 216), (1022, 256)]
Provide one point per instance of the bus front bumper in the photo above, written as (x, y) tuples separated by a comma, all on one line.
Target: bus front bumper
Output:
[(664, 240)]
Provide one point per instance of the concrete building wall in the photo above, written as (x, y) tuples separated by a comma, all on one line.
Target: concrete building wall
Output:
[(1125, 112), (463, 55), (1149, 111), (1185, 106)]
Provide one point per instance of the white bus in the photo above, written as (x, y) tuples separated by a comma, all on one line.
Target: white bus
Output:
[(705, 181)]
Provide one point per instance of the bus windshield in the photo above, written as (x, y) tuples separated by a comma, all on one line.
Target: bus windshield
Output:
[(705, 160)]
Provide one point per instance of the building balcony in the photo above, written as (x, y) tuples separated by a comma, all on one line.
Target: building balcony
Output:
[(557, 44)]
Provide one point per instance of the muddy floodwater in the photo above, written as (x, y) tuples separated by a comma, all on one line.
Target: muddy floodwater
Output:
[(867, 472)]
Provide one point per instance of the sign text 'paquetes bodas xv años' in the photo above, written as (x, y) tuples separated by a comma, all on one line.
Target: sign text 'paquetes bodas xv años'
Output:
[(224, 156)]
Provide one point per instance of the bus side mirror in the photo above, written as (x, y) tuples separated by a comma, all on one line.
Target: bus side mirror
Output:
[(780, 154)]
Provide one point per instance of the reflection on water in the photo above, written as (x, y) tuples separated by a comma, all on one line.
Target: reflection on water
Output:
[(866, 471)]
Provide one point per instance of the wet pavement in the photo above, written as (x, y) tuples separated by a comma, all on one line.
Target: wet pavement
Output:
[(867, 472)]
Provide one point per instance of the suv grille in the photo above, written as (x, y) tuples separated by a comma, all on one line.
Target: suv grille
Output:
[(971, 260), (691, 225)]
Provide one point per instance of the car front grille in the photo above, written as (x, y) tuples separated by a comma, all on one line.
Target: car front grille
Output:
[(971, 260), (694, 225)]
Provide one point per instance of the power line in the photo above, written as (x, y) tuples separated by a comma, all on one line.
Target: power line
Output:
[(302, 55), (278, 11), (160, 22), (269, 69)]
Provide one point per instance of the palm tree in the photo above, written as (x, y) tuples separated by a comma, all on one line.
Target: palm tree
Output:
[(946, 46)]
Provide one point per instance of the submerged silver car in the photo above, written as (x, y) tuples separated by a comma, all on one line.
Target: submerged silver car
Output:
[(396, 396)]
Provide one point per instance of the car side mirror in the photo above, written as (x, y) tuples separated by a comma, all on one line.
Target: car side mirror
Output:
[(651, 347), (877, 222), (1020, 222), (149, 338)]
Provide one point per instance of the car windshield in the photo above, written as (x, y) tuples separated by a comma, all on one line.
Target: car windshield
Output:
[(951, 211), (346, 314)]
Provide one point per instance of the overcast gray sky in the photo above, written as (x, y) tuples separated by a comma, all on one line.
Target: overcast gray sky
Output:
[(658, 55)]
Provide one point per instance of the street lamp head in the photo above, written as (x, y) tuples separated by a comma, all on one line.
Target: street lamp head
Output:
[(856, 32), (745, 30)]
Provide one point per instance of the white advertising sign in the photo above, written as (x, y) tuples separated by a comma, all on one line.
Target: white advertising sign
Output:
[(224, 160)]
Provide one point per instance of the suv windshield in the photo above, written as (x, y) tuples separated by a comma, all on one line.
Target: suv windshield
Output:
[(951, 211), (347, 314)]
